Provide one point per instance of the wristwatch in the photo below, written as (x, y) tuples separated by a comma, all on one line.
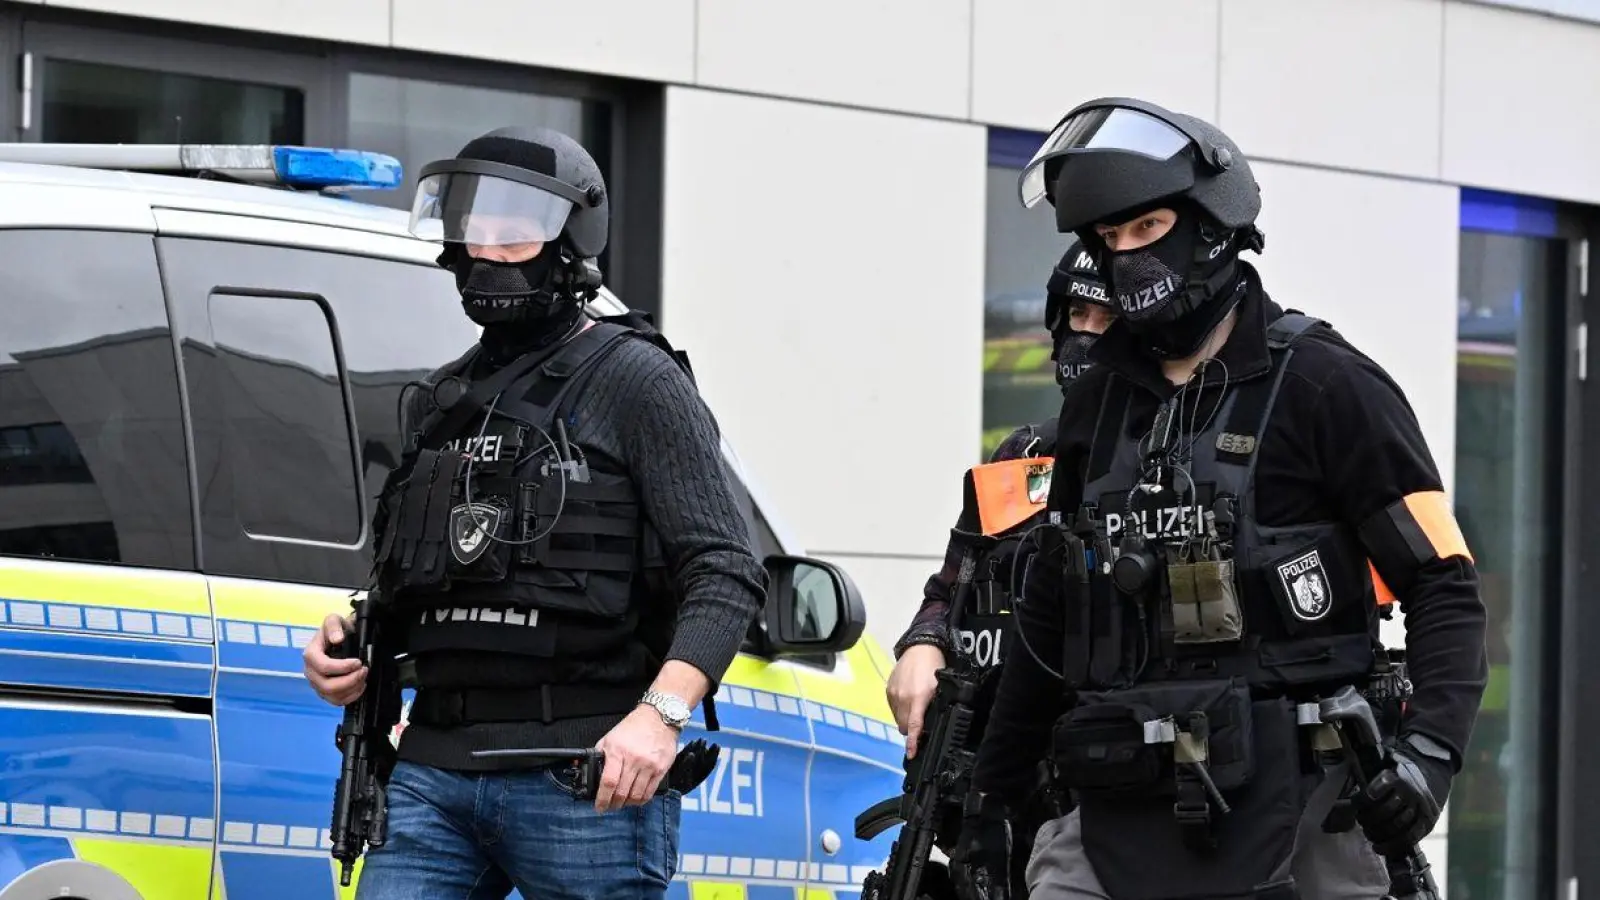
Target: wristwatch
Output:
[(674, 711)]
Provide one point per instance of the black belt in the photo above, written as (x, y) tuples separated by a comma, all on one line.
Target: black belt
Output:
[(545, 703)]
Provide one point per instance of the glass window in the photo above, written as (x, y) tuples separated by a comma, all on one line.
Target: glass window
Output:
[(1508, 499), (1022, 247), (418, 121), (284, 420), (393, 323), (93, 103), (92, 458)]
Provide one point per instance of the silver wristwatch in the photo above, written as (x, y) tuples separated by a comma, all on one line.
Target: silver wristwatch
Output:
[(673, 710)]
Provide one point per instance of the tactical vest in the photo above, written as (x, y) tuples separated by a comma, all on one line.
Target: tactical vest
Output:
[(503, 537), (1007, 508), (1197, 634)]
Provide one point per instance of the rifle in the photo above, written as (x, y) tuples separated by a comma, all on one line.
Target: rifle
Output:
[(938, 778), (360, 804)]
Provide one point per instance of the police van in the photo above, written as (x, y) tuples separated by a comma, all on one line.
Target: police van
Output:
[(198, 401)]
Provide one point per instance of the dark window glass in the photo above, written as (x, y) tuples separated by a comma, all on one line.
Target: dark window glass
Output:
[(391, 323), (285, 421), (92, 103), (1509, 499), (92, 458), (1022, 246)]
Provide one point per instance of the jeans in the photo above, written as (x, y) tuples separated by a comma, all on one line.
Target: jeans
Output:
[(475, 836)]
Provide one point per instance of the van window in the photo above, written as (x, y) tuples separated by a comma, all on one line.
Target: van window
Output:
[(348, 333), (284, 417), (92, 446)]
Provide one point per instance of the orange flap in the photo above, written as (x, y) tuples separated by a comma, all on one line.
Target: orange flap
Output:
[(1009, 491)]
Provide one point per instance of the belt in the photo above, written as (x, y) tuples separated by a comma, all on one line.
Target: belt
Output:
[(544, 703)]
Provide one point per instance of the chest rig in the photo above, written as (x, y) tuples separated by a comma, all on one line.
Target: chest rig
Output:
[(996, 559), (1195, 638)]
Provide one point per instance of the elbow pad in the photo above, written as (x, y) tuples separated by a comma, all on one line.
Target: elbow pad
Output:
[(1408, 534)]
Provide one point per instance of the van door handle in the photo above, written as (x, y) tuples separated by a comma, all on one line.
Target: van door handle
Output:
[(830, 841)]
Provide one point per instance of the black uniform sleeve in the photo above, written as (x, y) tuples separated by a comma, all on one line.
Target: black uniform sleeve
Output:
[(1029, 698), (928, 624), (1382, 478), (671, 446)]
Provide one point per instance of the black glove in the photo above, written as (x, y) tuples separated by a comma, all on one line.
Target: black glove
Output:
[(981, 863), (1400, 807)]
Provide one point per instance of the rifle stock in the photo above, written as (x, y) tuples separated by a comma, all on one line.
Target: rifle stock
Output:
[(360, 804)]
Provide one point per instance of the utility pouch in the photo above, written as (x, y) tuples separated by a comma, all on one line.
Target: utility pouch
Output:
[(1121, 743), (1205, 603)]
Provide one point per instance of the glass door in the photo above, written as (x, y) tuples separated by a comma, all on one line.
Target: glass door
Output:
[(82, 85), (1516, 372)]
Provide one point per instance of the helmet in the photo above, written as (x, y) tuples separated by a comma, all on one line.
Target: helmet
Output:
[(1075, 277), (515, 185), (1120, 155)]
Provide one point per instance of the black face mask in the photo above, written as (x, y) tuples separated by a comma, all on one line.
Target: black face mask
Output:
[(516, 303), (1146, 284), (1072, 356)]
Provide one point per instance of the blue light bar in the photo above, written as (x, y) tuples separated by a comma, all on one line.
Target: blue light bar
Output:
[(329, 169)]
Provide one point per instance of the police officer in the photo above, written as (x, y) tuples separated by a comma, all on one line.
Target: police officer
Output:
[(1076, 312), (1236, 485), (568, 563)]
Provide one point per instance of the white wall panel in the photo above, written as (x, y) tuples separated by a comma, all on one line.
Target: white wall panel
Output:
[(1519, 102), (907, 55), (651, 39), (1348, 83), (1035, 59), (829, 293), (892, 589), (1378, 258), (356, 21)]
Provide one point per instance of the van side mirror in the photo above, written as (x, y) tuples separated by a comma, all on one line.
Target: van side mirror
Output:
[(812, 607)]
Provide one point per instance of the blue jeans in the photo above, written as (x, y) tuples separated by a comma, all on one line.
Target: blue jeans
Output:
[(475, 836)]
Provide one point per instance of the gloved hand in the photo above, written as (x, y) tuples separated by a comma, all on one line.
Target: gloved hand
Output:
[(981, 863), (1400, 807)]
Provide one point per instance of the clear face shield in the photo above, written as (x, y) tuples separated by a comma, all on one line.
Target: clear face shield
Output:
[(490, 204), (1099, 128)]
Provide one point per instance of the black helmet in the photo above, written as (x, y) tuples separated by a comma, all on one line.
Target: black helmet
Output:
[(1120, 155), (1075, 277), (515, 185)]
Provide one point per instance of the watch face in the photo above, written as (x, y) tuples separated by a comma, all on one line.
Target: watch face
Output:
[(676, 709)]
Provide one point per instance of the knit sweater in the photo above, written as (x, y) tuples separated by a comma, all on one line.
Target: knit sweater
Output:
[(642, 413)]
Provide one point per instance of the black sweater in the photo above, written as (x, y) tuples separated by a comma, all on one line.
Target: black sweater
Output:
[(643, 412)]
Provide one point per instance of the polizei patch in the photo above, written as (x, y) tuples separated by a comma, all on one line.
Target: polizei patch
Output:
[(470, 527), (1305, 583)]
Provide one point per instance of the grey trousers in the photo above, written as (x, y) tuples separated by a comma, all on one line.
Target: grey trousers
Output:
[(1325, 866)]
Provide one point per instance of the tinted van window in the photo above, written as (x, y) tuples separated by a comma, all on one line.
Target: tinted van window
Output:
[(92, 447), (300, 355)]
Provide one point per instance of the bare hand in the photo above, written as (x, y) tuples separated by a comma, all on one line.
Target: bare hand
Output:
[(338, 681), (910, 690), (639, 751)]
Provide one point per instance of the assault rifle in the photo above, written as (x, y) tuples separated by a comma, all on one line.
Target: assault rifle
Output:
[(938, 778), (360, 804)]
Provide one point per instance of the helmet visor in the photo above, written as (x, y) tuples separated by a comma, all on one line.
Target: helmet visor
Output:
[(1100, 128), (486, 211)]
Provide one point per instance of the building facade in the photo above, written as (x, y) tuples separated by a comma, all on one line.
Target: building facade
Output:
[(818, 200)]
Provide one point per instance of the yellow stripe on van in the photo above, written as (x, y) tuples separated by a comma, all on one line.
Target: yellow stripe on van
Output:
[(156, 871), (121, 587), (298, 605), (757, 674), (813, 893), (716, 890), (860, 690), (346, 893)]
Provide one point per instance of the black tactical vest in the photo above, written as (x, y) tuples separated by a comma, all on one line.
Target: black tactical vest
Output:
[(1306, 603), (503, 536), (982, 624), (1197, 640)]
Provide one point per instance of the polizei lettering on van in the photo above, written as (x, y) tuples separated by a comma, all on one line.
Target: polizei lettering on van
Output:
[(734, 789)]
